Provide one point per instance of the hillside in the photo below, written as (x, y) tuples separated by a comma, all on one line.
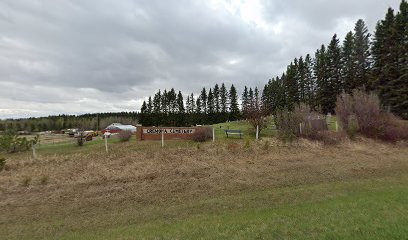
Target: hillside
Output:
[(222, 190)]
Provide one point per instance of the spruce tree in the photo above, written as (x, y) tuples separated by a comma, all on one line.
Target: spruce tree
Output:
[(180, 103), (216, 93), (256, 99), (334, 84), (399, 101), (150, 105), (203, 98), (223, 99), (244, 106), (233, 103), (362, 54), (310, 84), (210, 102), (348, 63), (251, 100), (385, 57), (323, 98)]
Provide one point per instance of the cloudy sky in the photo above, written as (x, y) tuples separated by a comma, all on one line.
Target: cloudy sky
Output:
[(79, 56)]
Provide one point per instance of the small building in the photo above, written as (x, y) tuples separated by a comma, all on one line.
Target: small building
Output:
[(117, 127)]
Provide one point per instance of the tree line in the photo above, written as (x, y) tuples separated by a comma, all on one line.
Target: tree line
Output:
[(377, 63), (372, 63), (218, 104), (92, 121)]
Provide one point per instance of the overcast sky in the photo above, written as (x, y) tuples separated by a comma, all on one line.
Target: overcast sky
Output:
[(83, 56)]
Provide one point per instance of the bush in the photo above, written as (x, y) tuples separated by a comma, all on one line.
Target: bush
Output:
[(44, 180), (125, 135), (299, 122), (26, 181), (247, 144), (2, 163), (352, 127), (10, 142), (361, 113), (202, 134), (393, 129)]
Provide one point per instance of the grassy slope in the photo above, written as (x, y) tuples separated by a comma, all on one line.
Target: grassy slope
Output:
[(343, 210), (372, 207)]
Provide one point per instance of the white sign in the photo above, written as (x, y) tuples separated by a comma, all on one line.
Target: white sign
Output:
[(168, 130)]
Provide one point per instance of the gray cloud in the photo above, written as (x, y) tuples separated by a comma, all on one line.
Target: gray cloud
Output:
[(99, 55)]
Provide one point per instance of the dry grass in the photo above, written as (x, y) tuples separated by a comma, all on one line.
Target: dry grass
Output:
[(143, 174)]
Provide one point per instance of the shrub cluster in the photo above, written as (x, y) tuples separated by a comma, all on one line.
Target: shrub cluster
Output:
[(301, 122), (125, 135), (360, 112), (2, 163), (202, 134), (10, 142)]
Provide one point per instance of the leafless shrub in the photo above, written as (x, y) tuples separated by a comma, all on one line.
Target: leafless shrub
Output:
[(361, 113), (202, 134), (81, 138), (393, 128), (368, 113), (299, 122), (125, 135), (256, 116), (344, 109)]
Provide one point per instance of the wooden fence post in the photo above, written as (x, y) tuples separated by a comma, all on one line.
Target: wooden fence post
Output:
[(33, 148), (257, 132), (162, 138), (213, 134), (106, 143)]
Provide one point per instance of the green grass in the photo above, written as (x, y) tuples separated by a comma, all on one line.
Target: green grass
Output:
[(247, 130), (364, 209)]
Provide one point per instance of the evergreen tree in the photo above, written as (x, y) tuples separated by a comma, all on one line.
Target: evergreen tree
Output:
[(385, 57), (157, 102), (150, 105), (198, 108), (210, 102), (362, 53), (334, 67), (348, 63), (164, 103), (223, 99), (324, 100), (234, 106), (245, 100), (251, 100), (310, 85), (203, 98), (302, 80), (216, 93), (188, 105), (399, 101), (180, 103), (291, 86), (193, 106), (256, 99)]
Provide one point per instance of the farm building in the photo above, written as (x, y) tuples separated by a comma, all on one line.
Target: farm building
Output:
[(117, 127)]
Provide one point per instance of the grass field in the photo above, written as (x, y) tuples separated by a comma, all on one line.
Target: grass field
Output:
[(221, 190)]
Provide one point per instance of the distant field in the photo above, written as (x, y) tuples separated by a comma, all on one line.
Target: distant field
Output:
[(221, 190)]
